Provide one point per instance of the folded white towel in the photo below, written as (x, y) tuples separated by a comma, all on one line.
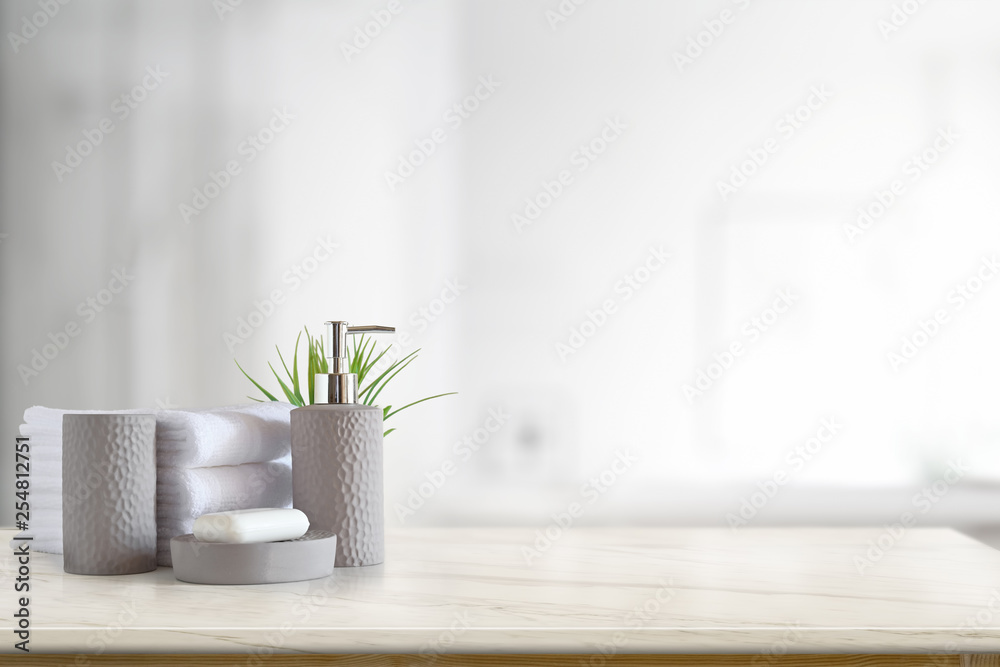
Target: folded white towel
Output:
[(226, 436), (188, 493), (49, 543)]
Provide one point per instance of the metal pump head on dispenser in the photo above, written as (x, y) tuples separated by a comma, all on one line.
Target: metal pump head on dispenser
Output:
[(340, 385)]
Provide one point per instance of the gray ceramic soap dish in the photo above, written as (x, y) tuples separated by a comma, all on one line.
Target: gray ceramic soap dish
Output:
[(308, 557)]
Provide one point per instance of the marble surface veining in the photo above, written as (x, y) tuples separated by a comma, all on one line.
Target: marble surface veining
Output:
[(642, 590)]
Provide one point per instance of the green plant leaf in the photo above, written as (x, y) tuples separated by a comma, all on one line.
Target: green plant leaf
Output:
[(311, 367), (388, 432), (360, 357), (371, 401), (371, 365), (293, 377), (354, 355), (324, 366), (365, 366), (450, 393), (375, 383), (295, 368), (288, 392), (255, 383)]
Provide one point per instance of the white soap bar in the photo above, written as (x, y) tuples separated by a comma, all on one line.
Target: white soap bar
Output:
[(256, 525)]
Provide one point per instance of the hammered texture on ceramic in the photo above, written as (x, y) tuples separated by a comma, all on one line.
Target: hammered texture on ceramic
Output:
[(337, 477), (109, 494)]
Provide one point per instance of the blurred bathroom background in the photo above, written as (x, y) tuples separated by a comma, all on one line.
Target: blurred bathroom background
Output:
[(731, 260)]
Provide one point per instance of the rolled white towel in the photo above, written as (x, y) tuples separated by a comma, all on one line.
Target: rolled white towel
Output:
[(49, 543), (189, 493), (252, 433)]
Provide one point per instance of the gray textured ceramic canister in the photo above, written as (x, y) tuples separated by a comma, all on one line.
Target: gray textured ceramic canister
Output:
[(109, 493), (337, 477), (337, 457)]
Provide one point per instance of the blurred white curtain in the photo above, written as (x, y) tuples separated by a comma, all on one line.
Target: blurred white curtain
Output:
[(161, 340)]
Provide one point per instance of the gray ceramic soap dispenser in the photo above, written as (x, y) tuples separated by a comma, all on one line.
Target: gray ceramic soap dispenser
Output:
[(337, 457)]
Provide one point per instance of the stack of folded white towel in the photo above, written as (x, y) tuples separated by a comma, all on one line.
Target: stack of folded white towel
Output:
[(210, 460)]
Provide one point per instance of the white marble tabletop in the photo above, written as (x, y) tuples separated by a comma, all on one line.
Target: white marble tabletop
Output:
[(639, 590)]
